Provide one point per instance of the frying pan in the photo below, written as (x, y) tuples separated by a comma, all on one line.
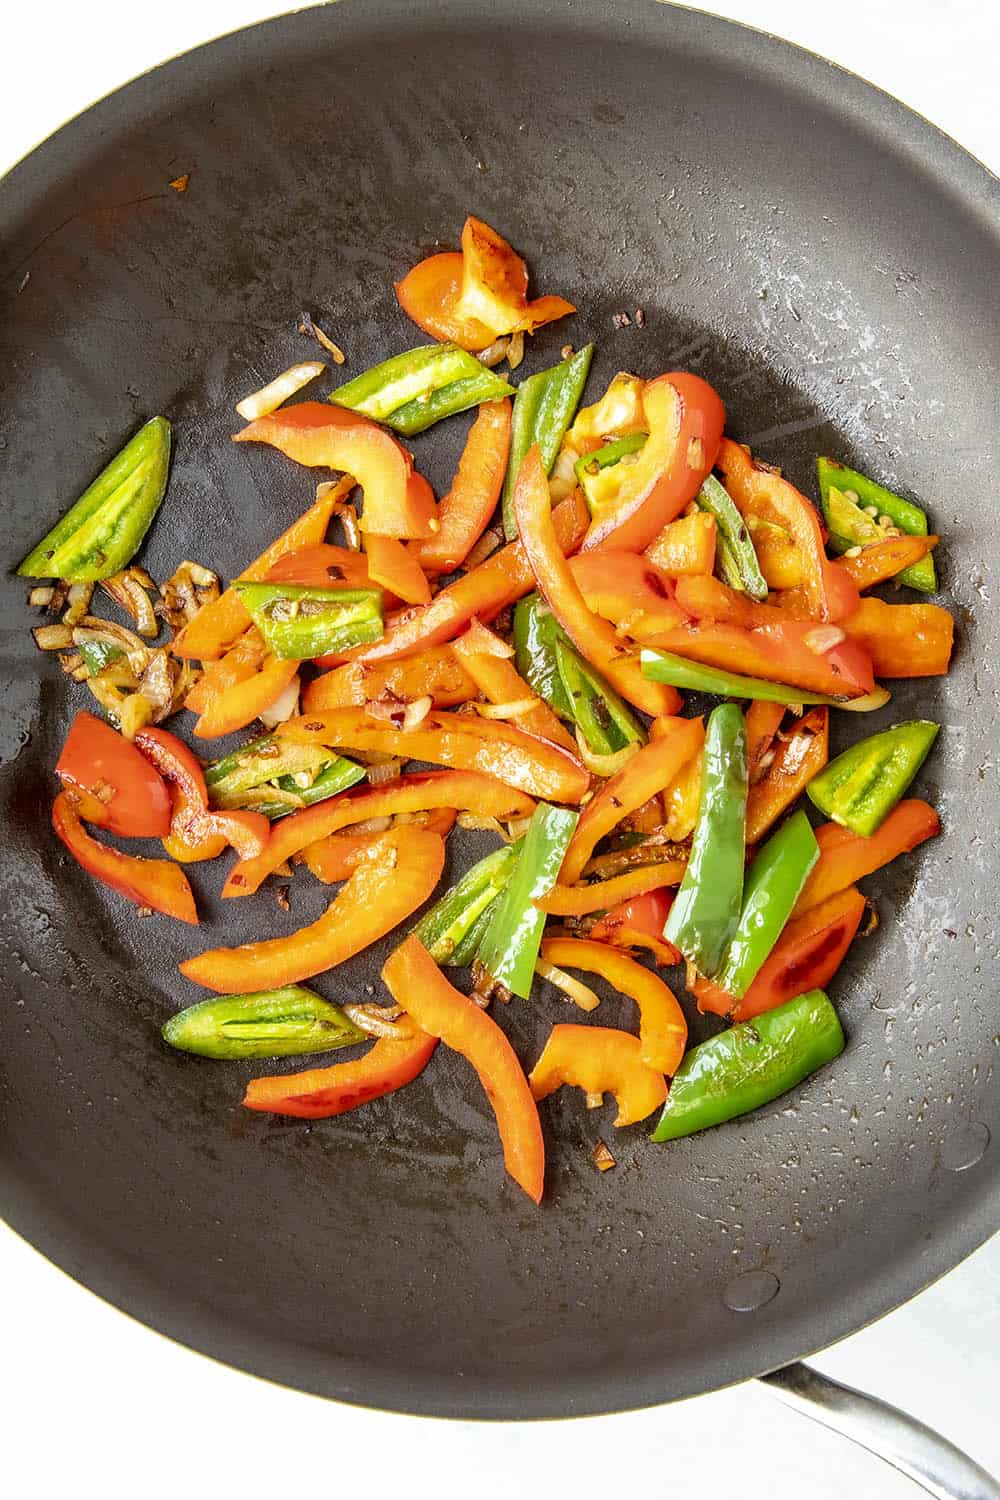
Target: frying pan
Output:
[(828, 261)]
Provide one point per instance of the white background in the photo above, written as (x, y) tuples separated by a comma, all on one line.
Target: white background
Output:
[(92, 1401)]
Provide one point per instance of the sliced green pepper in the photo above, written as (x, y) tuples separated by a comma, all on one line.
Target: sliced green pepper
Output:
[(509, 949), (706, 911), (737, 555), (446, 927), (412, 391), (859, 788), (535, 633), (694, 677), (467, 949), (846, 495), (310, 771), (772, 886), (298, 622), (98, 654), (594, 470), (603, 718), (544, 407), (270, 1023), (751, 1064), (104, 529)]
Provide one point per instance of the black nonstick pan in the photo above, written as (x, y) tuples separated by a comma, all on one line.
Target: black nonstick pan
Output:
[(829, 262)]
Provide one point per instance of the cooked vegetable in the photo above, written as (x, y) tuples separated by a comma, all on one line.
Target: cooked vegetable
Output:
[(858, 512), (298, 622), (662, 1027), (155, 883), (736, 553), (696, 677), (845, 857), (878, 561), (602, 895), (862, 785), (196, 830), (445, 929), (510, 946), (771, 888), (267, 760), (412, 391), (110, 783), (390, 1064), (903, 640), (704, 917), (497, 679), (638, 923), (103, 531), (417, 984), (543, 409), (278, 390), (273, 1023), (245, 700), (599, 1060), (793, 758), (599, 713), (685, 547), (598, 473), (465, 511), (749, 1065)]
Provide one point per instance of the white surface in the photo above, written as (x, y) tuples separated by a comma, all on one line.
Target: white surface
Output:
[(92, 1400)]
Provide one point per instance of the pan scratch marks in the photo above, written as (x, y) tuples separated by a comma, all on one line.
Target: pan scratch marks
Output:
[(84, 213)]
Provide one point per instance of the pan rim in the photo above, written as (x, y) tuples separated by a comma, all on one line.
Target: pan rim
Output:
[(50, 1228)]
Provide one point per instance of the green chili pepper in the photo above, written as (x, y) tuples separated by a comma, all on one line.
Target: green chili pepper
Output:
[(104, 529), (544, 407), (601, 715), (706, 911), (845, 494), (412, 391), (737, 555), (445, 928), (310, 771), (467, 948), (271, 1023), (509, 950), (751, 1064), (98, 654), (860, 788), (694, 677), (299, 622), (535, 633), (594, 471), (773, 884)]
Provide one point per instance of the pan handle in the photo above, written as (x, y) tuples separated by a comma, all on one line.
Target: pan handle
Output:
[(925, 1456)]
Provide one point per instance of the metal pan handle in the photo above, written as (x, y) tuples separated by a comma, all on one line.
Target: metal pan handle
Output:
[(925, 1456)]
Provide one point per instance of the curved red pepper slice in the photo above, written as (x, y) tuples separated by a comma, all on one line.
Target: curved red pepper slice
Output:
[(394, 567), (599, 1060), (685, 418), (331, 859), (110, 783), (418, 985), (662, 1027), (845, 857), (319, 435), (639, 923), (196, 830), (465, 511), (316, 1094), (435, 673), (156, 883), (629, 590)]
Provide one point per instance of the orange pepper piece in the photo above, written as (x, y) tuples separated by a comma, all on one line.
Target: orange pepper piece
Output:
[(332, 859), (418, 985), (462, 741), (779, 653), (845, 857), (499, 681), (217, 625), (385, 886), (241, 662), (662, 1027), (644, 775), (578, 900), (883, 560), (685, 419), (591, 635), (465, 511), (599, 1060), (319, 435), (904, 640), (802, 753), (495, 285), (390, 1064), (325, 566), (685, 546), (196, 830), (780, 560), (435, 673), (627, 589), (391, 566), (235, 707), (156, 883), (419, 792), (429, 296)]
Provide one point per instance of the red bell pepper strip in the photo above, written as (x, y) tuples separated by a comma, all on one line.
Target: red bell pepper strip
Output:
[(217, 625), (599, 1060), (806, 956), (904, 640), (408, 794), (429, 295), (110, 783), (759, 490), (239, 705), (845, 857), (465, 511), (662, 1027), (157, 883), (499, 681), (685, 419), (647, 772), (880, 561), (418, 985), (319, 435), (777, 653), (685, 547), (462, 741), (639, 923), (435, 673), (627, 589), (196, 830), (602, 895), (800, 754), (390, 1064), (241, 662), (385, 886), (481, 594), (593, 637), (392, 566), (331, 859)]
